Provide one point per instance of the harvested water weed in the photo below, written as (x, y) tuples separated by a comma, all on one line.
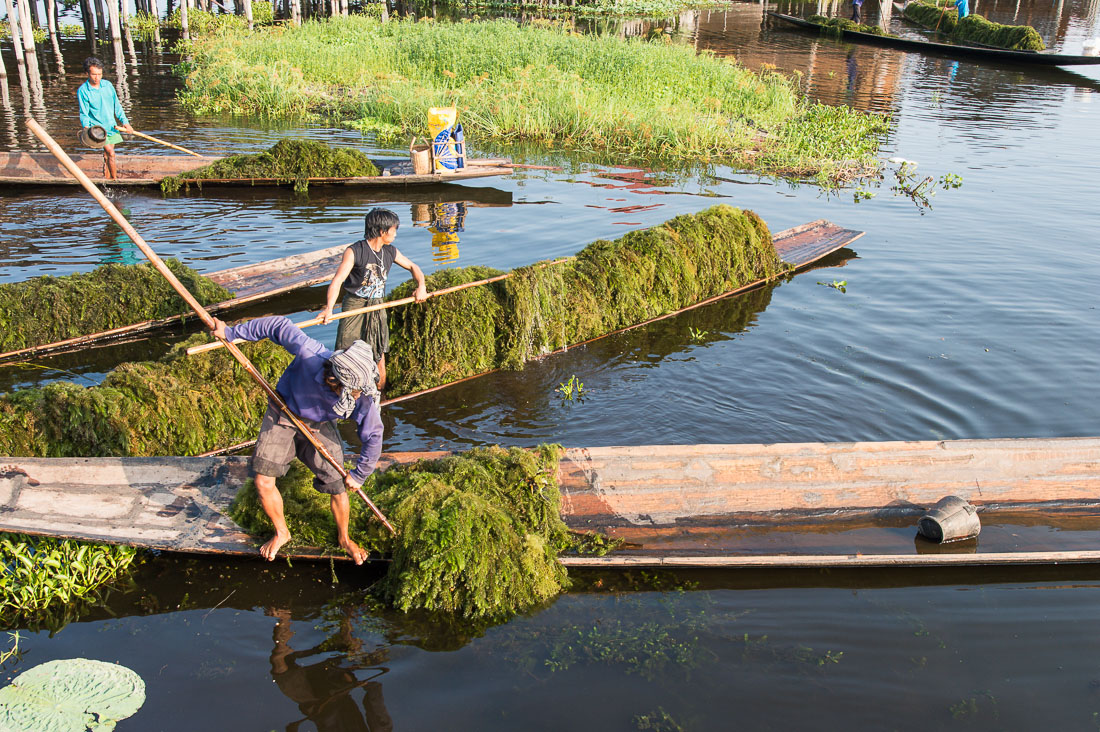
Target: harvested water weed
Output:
[(110, 296), (287, 161), (835, 26), (478, 533), (974, 28), (538, 83)]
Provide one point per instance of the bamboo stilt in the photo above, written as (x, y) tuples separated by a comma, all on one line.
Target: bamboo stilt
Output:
[(51, 20), (16, 36), (183, 19), (183, 292), (87, 17), (27, 31), (125, 13), (113, 19)]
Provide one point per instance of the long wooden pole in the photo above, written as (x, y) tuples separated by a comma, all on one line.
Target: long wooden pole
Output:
[(371, 308), (16, 36), (168, 144), (183, 292)]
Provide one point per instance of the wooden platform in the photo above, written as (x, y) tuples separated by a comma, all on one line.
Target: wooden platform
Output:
[(23, 168), (782, 505)]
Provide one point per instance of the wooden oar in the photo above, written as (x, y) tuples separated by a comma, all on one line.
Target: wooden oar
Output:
[(381, 306), (162, 142), (206, 318)]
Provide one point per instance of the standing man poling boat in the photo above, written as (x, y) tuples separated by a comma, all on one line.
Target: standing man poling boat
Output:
[(99, 107)]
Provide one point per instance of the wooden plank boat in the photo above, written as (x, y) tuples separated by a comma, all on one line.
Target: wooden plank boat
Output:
[(22, 168), (779, 505), (969, 52), (799, 246)]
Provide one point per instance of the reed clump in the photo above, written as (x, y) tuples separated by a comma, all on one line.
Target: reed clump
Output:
[(478, 533), (40, 575), (179, 405), (46, 309), (609, 285), (287, 161), (834, 26), (539, 83), (974, 28)]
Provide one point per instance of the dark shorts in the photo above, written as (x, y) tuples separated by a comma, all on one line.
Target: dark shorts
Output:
[(280, 442), (372, 327)]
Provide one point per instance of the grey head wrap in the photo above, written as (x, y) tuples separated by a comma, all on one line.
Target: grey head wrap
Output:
[(357, 371)]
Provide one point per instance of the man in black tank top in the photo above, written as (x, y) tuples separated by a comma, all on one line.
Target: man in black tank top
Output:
[(362, 277)]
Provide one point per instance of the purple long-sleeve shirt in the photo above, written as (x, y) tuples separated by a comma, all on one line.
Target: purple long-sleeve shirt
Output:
[(303, 385)]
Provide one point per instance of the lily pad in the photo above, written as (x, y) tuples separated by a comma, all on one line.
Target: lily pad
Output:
[(70, 695)]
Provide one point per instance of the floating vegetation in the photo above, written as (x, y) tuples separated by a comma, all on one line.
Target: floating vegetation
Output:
[(179, 405), (478, 533), (203, 22), (287, 161), (974, 28), (70, 695), (657, 721), (47, 309), (609, 285), (39, 575), (649, 649), (841, 285), (540, 83), (572, 389), (835, 26)]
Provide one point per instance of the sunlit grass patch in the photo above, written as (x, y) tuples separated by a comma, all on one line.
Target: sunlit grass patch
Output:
[(547, 84)]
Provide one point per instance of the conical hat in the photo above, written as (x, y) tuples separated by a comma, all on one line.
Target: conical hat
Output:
[(94, 136)]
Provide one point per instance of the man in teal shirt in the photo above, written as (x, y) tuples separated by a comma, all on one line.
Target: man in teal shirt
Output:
[(99, 106)]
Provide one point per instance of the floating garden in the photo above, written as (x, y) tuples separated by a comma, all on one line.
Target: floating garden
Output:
[(629, 99)]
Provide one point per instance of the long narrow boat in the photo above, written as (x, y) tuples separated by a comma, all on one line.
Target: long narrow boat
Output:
[(800, 247), (779, 505), (22, 168), (1040, 58)]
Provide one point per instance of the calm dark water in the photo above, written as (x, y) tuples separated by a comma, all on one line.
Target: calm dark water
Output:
[(977, 319)]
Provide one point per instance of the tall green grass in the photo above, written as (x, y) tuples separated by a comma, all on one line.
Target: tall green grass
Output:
[(634, 99)]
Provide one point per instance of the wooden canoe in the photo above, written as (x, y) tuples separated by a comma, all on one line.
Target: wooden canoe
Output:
[(800, 246), (22, 168), (779, 505), (1038, 58)]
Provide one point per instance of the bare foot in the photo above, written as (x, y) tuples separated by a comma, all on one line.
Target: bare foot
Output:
[(271, 548), (354, 550)]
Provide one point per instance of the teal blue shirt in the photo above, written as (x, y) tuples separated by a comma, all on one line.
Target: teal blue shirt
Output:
[(100, 106)]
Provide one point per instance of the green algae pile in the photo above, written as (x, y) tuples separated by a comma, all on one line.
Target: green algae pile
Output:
[(478, 533), (975, 28), (609, 285), (834, 26), (287, 161), (179, 405), (47, 309)]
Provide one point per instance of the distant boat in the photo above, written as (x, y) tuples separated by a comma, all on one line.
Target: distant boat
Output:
[(22, 168), (1039, 58), (808, 505)]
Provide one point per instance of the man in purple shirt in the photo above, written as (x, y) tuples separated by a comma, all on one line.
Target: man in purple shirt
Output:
[(320, 386)]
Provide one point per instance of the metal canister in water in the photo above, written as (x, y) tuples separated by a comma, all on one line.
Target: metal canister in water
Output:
[(951, 519)]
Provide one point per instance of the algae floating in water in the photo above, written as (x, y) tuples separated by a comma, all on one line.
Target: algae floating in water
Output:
[(46, 309), (478, 533), (288, 161)]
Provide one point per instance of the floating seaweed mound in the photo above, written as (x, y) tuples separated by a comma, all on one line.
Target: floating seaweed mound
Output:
[(179, 405), (43, 580), (478, 533), (834, 26), (47, 309), (609, 285), (288, 161), (975, 28)]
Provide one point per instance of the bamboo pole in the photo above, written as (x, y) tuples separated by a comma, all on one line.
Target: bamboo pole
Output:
[(116, 24), (51, 21), (183, 19), (124, 14), (162, 142), (87, 17), (183, 292), (28, 33), (101, 32), (381, 306)]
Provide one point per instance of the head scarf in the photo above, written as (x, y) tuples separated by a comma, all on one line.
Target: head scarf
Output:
[(357, 371)]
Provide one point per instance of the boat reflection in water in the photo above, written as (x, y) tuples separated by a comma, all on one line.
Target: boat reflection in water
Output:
[(444, 220)]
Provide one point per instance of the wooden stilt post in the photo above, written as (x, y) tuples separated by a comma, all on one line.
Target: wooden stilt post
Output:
[(183, 292), (100, 20), (183, 19), (124, 14), (16, 36), (27, 30), (87, 17), (51, 20)]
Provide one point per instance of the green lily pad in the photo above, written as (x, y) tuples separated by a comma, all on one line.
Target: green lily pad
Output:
[(70, 695)]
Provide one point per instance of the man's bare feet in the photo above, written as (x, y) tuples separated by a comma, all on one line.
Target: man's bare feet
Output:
[(354, 550), (272, 547)]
